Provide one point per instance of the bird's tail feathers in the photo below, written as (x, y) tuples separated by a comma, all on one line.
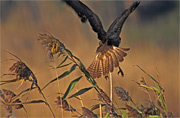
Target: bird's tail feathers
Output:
[(105, 63)]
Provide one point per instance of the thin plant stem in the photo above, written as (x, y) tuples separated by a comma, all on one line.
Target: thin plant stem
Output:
[(39, 89), (80, 99), (111, 86), (96, 87), (69, 107), (59, 90), (100, 111), (26, 112)]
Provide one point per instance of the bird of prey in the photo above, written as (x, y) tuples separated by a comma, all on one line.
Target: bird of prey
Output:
[(108, 53)]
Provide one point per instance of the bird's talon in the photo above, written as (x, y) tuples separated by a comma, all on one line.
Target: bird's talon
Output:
[(106, 77), (120, 71)]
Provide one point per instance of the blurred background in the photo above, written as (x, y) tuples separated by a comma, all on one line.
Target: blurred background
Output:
[(152, 33)]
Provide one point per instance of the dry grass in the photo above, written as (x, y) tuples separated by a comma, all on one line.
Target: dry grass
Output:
[(19, 37), (54, 46)]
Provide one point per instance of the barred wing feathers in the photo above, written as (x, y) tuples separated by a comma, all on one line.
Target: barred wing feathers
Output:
[(105, 62)]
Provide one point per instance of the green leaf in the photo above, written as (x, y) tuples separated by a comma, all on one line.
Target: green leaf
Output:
[(106, 116), (158, 90), (62, 62), (80, 92), (154, 116), (30, 102), (149, 75), (121, 108), (67, 72), (82, 68), (71, 86), (18, 96), (69, 53), (162, 100), (149, 87), (96, 106), (9, 81), (125, 114), (86, 73), (34, 101), (61, 76), (64, 65)]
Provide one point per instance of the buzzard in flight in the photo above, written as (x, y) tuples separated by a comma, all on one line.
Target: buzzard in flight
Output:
[(108, 53)]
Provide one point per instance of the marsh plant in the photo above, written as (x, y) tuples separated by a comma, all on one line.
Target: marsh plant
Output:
[(106, 107)]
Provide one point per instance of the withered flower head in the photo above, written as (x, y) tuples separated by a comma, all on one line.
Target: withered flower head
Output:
[(52, 44), (8, 102), (107, 109), (21, 70), (88, 113), (111, 110), (133, 112), (149, 110), (64, 104), (143, 81), (168, 115), (103, 96), (121, 93)]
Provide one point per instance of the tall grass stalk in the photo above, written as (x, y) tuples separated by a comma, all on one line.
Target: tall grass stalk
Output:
[(111, 86), (59, 89), (100, 111), (21, 72), (80, 98)]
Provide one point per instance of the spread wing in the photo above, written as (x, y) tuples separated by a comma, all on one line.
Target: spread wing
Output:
[(115, 28), (85, 13)]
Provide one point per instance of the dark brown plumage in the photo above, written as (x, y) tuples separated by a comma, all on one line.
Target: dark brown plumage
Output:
[(108, 53)]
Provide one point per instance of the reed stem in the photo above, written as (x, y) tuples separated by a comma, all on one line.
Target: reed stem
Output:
[(111, 86)]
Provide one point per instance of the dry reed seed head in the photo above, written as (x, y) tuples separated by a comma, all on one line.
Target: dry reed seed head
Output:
[(121, 93), (88, 113), (2, 95), (149, 110), (103, 96), (143, 81), (107, 109), (133, 112), (111, 110), (64, 104), (52, 44), (168, 115), (159, 104), (9, 110), (155, 110), (21, 70), (7, 97), (17, 106)]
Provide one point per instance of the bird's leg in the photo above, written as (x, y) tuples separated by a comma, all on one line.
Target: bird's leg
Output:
[(121, 71), (111, 86)]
